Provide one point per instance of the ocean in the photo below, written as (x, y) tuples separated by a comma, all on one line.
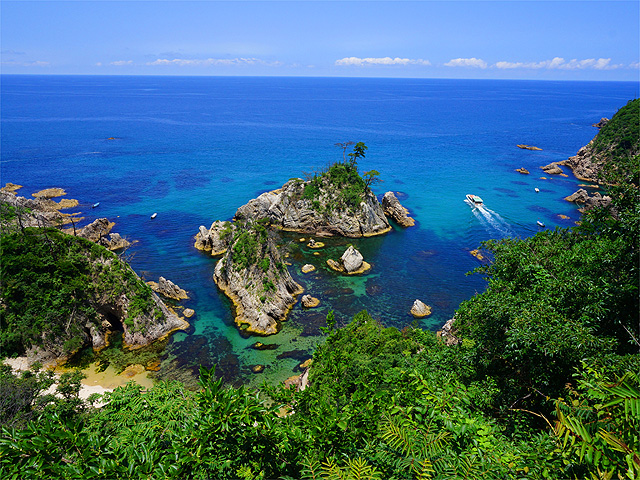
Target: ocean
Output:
[(194, 149)]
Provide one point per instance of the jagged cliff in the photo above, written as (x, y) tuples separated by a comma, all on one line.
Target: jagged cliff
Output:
[(253, 275)]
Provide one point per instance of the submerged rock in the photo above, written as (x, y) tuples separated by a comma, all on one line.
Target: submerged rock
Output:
[(394, 210)]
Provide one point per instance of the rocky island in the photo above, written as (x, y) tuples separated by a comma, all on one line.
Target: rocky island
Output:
[(252, 273)]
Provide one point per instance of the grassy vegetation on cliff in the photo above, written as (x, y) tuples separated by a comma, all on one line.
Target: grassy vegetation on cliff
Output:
[(620, 137), (52, 284)]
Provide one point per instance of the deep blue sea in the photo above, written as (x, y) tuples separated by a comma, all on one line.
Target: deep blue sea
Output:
[(193, 149)]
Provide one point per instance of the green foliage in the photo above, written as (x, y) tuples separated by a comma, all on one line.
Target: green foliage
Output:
[(250, 246), (340, 187), (552, 300), (52, 284), (598, 425)]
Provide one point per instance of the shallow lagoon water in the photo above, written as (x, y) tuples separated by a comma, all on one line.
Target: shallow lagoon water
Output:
[(193, 149)]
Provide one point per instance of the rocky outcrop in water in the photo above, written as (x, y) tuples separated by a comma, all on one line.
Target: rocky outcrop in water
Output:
[(585, 164), (97, 232), (289, 209), (216, 239), (528, 147), (603, 121), (582, 197), (351, 262), (37, 212), (552, 169), (252, 274), (420, 309), (394, 210), (309, 302), (168, 289)]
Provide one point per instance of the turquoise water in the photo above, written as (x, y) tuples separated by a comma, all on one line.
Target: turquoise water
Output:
[(193, 149)]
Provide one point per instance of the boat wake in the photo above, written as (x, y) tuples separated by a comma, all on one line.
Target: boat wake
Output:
[(491, 220)]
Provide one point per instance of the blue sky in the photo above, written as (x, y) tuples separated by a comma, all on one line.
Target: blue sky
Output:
[(572, 40)]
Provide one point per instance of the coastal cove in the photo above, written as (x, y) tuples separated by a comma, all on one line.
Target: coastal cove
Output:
[(195, 149)]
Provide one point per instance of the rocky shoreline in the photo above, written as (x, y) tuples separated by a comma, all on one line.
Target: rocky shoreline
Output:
[(117, 307)]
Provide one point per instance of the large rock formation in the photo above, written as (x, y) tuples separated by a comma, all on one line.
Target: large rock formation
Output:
[(290, 208), (37, 212), (253, 275), (394, 210), (586, 164)]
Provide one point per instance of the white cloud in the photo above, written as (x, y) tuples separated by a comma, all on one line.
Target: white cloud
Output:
[(466, 62), (213, 62), (120, 63), (561, 64), (25, 64), (361, 62), (634, 65)]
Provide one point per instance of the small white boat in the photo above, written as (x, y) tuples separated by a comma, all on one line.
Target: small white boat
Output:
[(95, 205), (154, 216), (540, 224), (537, 189), (475, 200)]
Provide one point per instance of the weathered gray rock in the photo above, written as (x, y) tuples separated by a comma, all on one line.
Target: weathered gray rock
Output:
[(603, 121), (309, 302), (393, 209), (448, 333), (168, 289), (351, 262), (552, 169), (262, 296), (351, 259), (216, 239), (578, 197), (287, 209), (419, 309)]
